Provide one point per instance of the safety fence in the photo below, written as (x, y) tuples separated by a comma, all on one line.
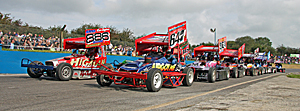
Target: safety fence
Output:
[(31, 47)]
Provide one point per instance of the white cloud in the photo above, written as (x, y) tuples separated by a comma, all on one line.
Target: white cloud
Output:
[(279, 20)]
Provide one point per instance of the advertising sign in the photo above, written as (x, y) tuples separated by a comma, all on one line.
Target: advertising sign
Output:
[(97, 37)]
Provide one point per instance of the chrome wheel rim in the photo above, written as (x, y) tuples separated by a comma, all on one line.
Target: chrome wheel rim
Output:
[(66, 72), (157, 80)]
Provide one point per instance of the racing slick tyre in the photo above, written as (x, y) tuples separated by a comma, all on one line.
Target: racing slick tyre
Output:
[(235, 72), (35, 72), (189, 77), (252, 72), (274, 70), (265, 70), (227, 73), (64, 72), (261, 71), (104, 80), (154, 80), (212, 75), (243, 73)]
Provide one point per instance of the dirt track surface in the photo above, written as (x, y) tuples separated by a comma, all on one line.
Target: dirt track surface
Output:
[(277, 94)]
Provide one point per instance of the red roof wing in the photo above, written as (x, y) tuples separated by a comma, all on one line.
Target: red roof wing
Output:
[(74, 43)]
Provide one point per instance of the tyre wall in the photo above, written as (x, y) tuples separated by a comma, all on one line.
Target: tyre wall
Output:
[(10, 61)]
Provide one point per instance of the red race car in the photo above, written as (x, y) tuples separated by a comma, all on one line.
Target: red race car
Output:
[(88, 53)]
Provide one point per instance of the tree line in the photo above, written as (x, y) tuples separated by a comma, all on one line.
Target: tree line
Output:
[(263, 43), (126, 37)]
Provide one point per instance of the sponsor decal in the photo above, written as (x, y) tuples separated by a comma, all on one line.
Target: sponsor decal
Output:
[(78, 62), (164, 66)]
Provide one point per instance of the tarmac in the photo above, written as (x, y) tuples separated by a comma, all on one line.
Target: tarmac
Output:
[(280, 93)]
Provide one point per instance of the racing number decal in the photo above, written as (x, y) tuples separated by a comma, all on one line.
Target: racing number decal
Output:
[(222, 44), (97, 37), (90, 38), (177, 38), (177, 34)]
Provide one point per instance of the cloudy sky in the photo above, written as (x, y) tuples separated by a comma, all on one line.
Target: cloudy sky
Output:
[(279, 20)]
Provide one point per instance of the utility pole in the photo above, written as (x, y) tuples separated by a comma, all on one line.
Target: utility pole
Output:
[(215, 38), (61, 37)]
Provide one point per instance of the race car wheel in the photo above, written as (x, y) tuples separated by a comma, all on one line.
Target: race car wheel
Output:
[(259, 71), (235, 72), (35, 72), (103, 80), (227, 72), (274, 70), (154, 80), (64, 72), (211, 77), (189, 78), (252, 72), (243, 73)]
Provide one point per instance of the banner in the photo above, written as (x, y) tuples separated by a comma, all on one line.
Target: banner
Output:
[(294, 55), (241, 51), (269, 55), (177, 34), (97, 37), (222, 44)]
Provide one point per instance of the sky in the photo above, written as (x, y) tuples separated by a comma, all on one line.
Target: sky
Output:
[(279, 20)]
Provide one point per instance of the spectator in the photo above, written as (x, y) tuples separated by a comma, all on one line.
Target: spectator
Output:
[(29, 44), (17, 41), (129, 52), (39, 45), (2, 41), (48, 44), (12, 45), (15, 34), (1, 33), (34, 43), (110, 47), (9, 34)]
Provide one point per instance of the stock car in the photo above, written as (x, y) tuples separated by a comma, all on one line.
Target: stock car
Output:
[(76, 66), (229, 59), (207, 67), (279, 68), (154, 70), (252, 68)]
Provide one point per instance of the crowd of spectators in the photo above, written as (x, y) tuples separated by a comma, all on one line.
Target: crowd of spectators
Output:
[(120, 50), (28, 41)]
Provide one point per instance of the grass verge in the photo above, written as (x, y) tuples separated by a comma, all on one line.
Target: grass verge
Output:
[(293, 75)]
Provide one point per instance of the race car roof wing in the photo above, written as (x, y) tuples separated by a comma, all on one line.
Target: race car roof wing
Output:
[(201, 49), (229, 53), (74, 43), (152, 40)]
